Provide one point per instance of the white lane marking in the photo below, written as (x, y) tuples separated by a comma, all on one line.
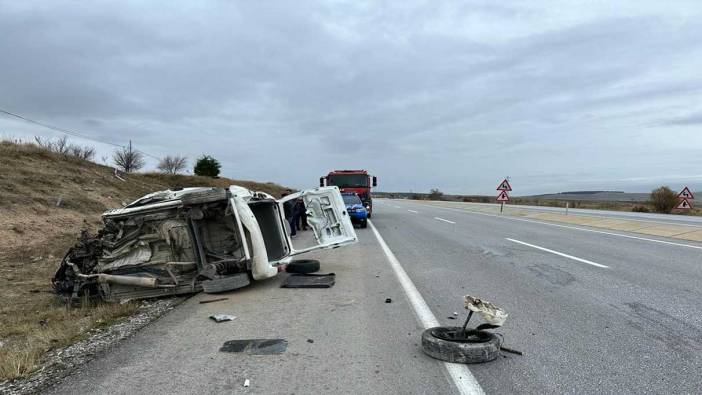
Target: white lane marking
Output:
[(396, 206), (460, 374), (445, 220), (570, 227), (412, 211), (575, 258)]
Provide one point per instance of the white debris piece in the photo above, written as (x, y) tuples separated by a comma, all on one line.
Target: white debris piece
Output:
[(246, 383), (491, 314), (222, 317)]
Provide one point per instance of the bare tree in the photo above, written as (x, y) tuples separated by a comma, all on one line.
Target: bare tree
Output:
[(128, 159), (173, 164), (62, 147)]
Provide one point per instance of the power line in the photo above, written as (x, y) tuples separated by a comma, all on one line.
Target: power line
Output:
[(71, 132)]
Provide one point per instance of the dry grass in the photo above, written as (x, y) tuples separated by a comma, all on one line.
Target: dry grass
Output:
[(45, 200)]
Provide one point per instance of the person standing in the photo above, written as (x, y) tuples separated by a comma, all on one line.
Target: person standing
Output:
[(302, 211)]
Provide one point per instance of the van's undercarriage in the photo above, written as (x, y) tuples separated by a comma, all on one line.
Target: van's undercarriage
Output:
[(164, 251)]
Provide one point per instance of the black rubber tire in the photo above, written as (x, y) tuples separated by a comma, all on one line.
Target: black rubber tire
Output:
[(303, 266), (225, 284), (364, 223), (457, 351), (369, 215)]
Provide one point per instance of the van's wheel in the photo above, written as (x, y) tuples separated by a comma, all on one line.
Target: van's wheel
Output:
[(303, 266), (446, 343), (364, 223), (228, 283)]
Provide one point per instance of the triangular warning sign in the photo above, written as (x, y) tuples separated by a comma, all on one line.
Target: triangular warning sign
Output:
[(503, 197), (686, 194), (684, 205), (504, 186)]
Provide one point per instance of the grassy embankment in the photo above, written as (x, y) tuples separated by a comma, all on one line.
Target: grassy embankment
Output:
[(45, 200)]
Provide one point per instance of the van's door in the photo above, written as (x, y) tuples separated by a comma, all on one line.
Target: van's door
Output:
[(326, 215)]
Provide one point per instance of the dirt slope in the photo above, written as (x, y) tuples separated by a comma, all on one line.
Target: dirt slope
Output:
[(45, 200)]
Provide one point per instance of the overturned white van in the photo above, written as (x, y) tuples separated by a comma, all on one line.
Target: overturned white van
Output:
[(192, 239)]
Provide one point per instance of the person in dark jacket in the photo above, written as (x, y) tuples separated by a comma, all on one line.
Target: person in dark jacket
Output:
[(302, 214)]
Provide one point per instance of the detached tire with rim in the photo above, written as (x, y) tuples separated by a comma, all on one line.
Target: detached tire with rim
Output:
[(441, 343), (303, 266)]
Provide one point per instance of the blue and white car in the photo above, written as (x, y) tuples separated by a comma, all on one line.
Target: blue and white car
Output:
[(357, 211)]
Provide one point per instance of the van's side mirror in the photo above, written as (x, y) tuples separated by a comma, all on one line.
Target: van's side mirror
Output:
[(321, 181), (375, 181)]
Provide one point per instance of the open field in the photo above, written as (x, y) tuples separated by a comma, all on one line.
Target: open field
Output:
[(45, 200)]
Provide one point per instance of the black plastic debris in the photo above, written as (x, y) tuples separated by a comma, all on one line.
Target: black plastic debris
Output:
[(388, 300), (309, 280), (256, 346)]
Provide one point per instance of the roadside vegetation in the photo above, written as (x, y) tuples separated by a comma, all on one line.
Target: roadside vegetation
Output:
[(207, 166), (46, 198)]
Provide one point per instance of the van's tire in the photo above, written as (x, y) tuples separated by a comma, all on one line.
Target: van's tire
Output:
[(364, 223), (436, 344), (224, 284), (303, 266)]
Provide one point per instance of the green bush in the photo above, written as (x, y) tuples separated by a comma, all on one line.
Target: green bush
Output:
[(435, 194), (664, 200), (207, 166)]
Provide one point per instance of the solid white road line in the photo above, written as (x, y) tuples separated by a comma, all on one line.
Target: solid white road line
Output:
[(396, 206), (575, 258), (568, 227), (460, 374), (445, 220), (412, 211)]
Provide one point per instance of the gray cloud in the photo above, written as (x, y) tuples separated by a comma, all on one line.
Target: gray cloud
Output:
[(424, 94)]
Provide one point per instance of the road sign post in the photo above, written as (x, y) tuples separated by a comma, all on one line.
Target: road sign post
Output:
[(686, 197), (503, 196)]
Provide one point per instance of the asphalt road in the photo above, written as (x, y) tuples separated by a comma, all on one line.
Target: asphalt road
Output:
[(632, 327), (592, 312)]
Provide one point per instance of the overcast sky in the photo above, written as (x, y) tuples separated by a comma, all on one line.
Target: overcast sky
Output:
[(457, 95)]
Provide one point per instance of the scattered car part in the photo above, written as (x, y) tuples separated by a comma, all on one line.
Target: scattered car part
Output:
[(309, 280), (213, 300), (303, 266), (463, 344), (224, 284), (510, 350), (448, 343), (492, 314), (388, 300), (247, 383), (256, 346), (222, 317)]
